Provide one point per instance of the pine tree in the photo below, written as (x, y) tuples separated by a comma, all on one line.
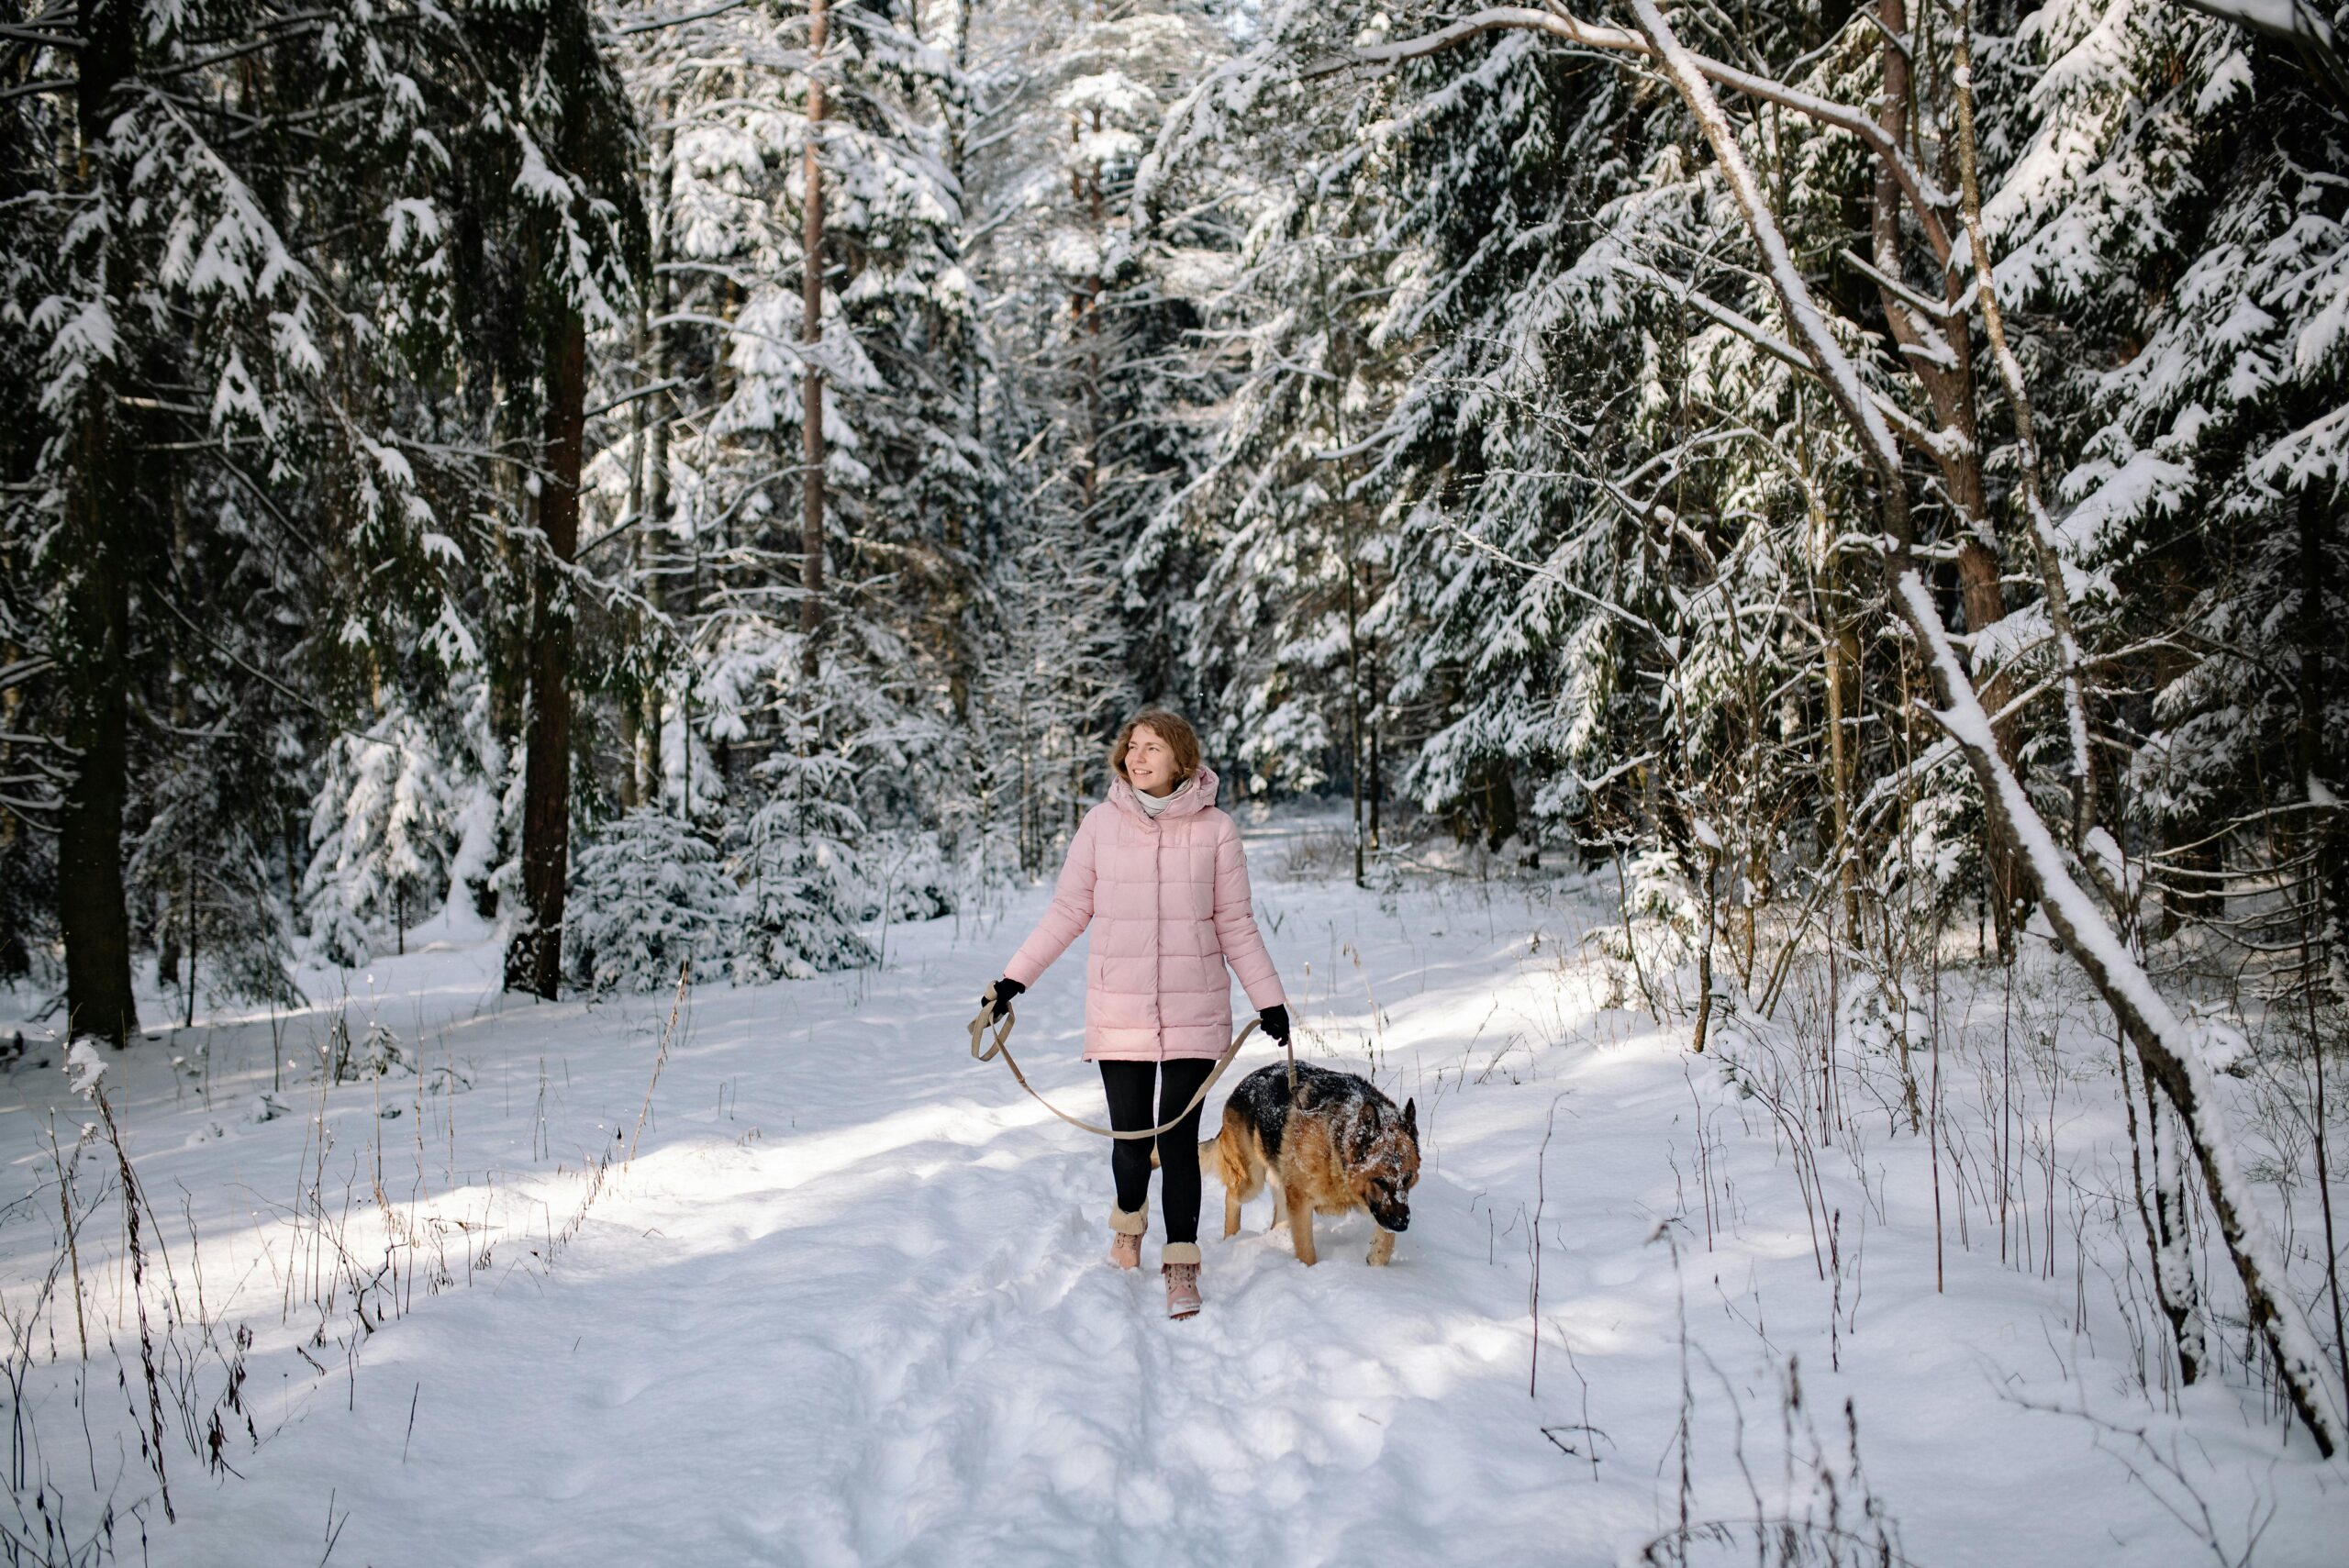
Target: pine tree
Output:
[(259, 188), (561, 119), (647, 896), (384, 828), (797, 865), (845, 642), (2167, 202)]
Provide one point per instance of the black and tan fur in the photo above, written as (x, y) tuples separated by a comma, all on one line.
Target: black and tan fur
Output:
[(1342, 1146)]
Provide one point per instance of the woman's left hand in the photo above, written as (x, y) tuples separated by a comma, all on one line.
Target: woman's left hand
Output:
[(1273, 1021), (999, 998)]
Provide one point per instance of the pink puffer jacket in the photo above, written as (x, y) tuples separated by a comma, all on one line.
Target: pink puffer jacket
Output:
[(1168, 904)]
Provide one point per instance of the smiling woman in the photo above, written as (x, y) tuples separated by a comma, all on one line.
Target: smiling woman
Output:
[(1156, 752), (1158, 870)]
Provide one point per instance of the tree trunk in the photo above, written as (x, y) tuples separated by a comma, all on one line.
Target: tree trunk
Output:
[(1949, 387), (94, 651), (1377, 778), (631, 719), (507, 644), (655, 527), (2318, 635), (189, 998), (93, 644), (1355, 757), (1842, 644), (534, 962), (647, 761), (1705, 957), (2174, 1283), (811, 332), (1501, 804), (2039, 526), (632, 681)]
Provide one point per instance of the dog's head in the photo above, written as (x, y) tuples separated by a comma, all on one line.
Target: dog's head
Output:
[(1387, 1165)]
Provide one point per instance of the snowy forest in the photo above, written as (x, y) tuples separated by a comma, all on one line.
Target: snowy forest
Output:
[(1802, 546)]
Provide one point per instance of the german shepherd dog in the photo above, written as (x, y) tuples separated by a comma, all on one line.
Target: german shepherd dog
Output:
[(1341, 1146)]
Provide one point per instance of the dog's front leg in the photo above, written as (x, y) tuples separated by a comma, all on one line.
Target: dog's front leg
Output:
[(1231, 1213), (1382, 1248), (1300, 1227)]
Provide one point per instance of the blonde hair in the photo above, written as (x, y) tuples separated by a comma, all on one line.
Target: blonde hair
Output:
[(1171, 727)]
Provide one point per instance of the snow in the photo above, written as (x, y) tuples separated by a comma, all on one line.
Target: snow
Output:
[(2284, 19), (845, 1303), (2143, 484), (84, 1068), (84, 335), (1108, 92)]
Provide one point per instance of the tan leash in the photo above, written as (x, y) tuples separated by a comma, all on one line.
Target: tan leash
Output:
[(986, 1050)]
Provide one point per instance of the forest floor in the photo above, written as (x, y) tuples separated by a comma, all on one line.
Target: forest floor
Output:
[(846, 1305)]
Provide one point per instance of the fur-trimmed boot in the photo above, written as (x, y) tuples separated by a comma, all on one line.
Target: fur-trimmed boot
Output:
[(1125, 1241), (1180, 1264)]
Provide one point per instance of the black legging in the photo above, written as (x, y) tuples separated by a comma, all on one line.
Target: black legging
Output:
[(1128, 1086)]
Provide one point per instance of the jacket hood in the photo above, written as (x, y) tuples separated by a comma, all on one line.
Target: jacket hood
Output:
[(1186, 802)]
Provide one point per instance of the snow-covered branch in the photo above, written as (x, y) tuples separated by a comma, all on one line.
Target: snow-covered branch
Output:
[(1929, 201)]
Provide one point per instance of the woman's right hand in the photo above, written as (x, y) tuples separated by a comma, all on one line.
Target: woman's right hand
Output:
[(1004, 991)]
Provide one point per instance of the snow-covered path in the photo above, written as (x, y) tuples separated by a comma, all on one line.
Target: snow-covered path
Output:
[(861, 1318), (847, 1307)]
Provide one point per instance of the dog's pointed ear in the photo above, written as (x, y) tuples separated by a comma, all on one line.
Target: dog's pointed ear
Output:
[(1411, 1115)]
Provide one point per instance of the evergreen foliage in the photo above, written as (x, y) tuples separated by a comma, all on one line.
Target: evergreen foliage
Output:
[(383, 830), (1428, 434), (647, 895)]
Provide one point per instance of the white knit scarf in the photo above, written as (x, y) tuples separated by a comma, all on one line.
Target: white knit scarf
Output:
[(1154, 804)]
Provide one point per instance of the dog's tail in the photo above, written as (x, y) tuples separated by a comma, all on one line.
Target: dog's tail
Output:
[(1220, 1154), (1232, 1156)]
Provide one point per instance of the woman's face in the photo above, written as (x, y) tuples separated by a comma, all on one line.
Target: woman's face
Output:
[(1150, 761)]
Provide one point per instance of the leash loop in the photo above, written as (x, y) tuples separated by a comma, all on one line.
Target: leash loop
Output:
[(985, 1048)]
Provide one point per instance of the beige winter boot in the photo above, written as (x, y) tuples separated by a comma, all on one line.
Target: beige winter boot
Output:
[(1124, 1242), (1180, 1264)]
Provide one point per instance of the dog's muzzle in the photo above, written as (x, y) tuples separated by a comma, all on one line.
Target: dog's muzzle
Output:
[(1397, 1219)]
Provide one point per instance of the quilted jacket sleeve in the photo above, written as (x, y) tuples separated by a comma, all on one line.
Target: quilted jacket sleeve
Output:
[(1235, 925), (1070, 913)]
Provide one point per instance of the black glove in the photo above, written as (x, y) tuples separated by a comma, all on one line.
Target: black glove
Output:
[(1274, 1020), (1004, 990)]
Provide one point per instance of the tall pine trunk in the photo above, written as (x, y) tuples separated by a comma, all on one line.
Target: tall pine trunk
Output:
[(1948, 382), (656, 502), (655, 527), (811, 332), (535, 961), (95, 652), (632, 684), (92, 645)]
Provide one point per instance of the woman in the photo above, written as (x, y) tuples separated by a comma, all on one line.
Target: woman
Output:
[(1157, 871)]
